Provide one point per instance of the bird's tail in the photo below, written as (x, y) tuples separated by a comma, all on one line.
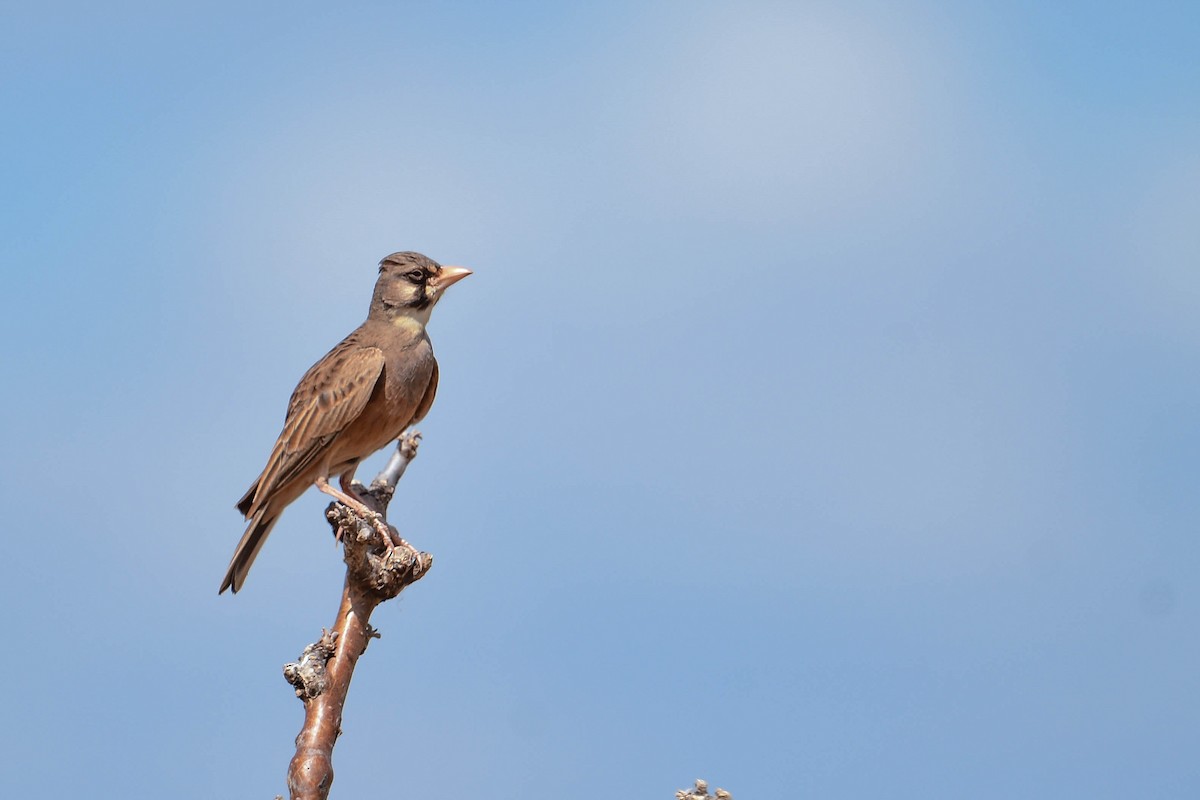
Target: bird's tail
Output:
[(247, 500), (252, 541)]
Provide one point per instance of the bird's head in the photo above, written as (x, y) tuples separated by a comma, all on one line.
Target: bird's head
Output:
[(410, 285)]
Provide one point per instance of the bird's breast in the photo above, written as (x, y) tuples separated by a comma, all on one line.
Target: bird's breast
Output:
[(405, 379)]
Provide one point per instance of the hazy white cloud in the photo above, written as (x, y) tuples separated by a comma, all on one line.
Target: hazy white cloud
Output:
[(781, 111)]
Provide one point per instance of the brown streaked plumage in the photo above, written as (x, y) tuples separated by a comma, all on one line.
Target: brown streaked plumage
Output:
[(362, 395)]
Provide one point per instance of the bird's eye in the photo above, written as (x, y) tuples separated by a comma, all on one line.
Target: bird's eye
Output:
[(416, 275)]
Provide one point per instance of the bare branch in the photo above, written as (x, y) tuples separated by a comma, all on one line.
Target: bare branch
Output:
[(700, 792), (376, 571), (390, 475)]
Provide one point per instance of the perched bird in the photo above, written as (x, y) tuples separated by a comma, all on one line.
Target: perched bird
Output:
[(362, 395)]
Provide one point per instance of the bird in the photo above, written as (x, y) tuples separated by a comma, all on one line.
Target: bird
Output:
[(359, 397)]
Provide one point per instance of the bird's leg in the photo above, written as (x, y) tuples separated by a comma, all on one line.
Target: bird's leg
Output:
[(346, 481), (345, 498), (349, 500)]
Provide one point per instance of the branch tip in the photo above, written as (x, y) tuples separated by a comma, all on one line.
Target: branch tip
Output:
[(700, 792)]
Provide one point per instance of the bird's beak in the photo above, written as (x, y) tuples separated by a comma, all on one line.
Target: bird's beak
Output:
[(448, 276)]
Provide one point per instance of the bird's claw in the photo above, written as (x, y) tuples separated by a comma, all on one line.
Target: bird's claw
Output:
[(384, 531)]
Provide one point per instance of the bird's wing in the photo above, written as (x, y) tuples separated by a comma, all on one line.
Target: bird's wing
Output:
[(329, 397)]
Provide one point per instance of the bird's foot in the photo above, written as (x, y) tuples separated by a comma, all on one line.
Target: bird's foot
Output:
[(393, 542), (372, 518), (385, 533)]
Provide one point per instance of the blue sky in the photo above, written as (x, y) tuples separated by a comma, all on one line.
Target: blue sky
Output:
[(821, 418)]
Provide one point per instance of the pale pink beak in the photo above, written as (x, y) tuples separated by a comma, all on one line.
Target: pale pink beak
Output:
[(448, 276)]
